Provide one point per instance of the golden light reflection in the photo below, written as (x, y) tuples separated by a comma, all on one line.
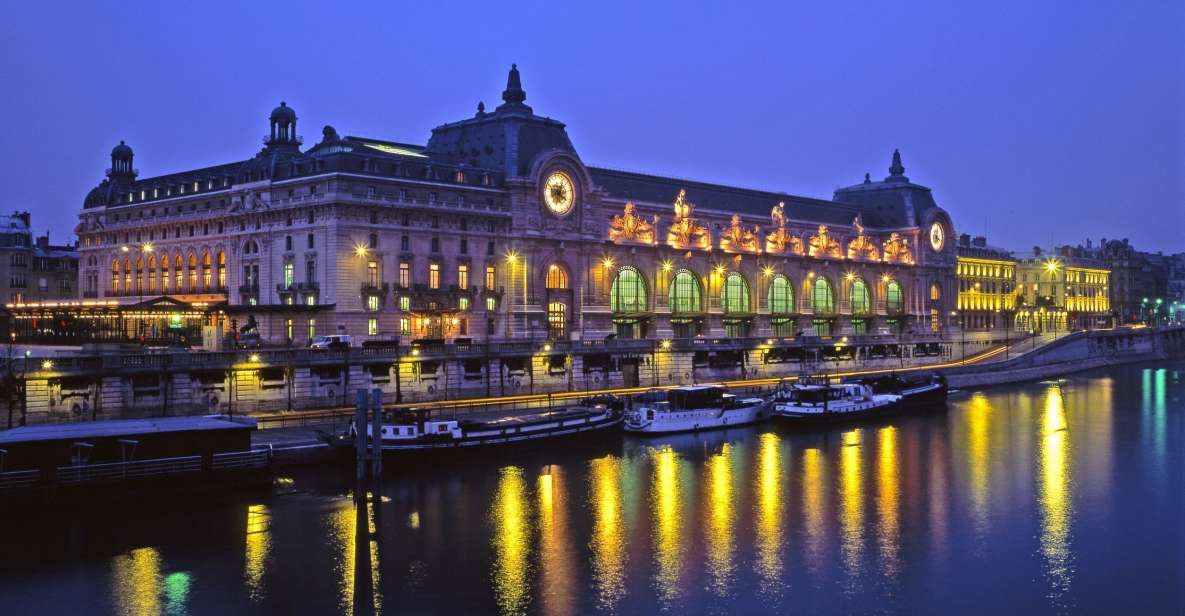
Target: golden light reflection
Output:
[(345, 528), (667, 525), (557, 592), (812, 508), (769, 514), (721, 517), (608, 533), (258, 549), (851, 513), (887, 501), (1054, 494), (510, 519), (979, 463), (136, 582)]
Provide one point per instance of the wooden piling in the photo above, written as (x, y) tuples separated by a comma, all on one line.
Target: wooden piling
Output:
[(376, 435), (360, 436)]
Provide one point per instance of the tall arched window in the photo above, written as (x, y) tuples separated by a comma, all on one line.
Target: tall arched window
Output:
[(894, 299), (206, 270), (781, 296), (151, 274), (822, 298), (139, 274), (557, 277), (556, 319), (861, 300), (935, 292), (193, 277), (684, 295), (627, 293), (115, 276), (221, 269), (178, 275), (164, 273), (127, 275), (735, 295)]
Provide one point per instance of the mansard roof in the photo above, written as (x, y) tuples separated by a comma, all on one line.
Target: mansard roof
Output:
[(634, 186)]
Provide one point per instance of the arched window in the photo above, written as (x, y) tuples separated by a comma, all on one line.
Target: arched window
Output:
[(781, 296), (139, 274), (735, 295), (151, 274), (557, 277), (193, 277), (894, 299), (178, 275), (221, 269), (822, 299), (206, 270), (627, 293), (684, 295), (556, 318), (861, 302), (115, 276), (127, 275), (164, 273), (935, 292)]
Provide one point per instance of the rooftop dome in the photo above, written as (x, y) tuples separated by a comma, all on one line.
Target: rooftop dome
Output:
[(122, 150), (283, 113)]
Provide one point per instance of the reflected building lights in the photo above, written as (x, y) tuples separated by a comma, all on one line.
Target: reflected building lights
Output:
[(720, 522), (258, 549), (851, 512), (136, 583), (667, 524), (812, 508), (769, 515), (349, 524), (1053, 458), (556, 592), (608, 533), (887, 502), (510, 521), (978, 418)]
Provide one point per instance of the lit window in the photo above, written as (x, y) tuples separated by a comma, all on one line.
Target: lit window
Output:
[(372, 273), (556, 313), (860, 297), (289, 274), (310, 300), (463, 276), (405, 326), (404, 275), (372, 303), (781, 296), (735, 296), (312, 328), (557, 277), (372, 327), (288, 328), (490, 276), (684, 295), (434, 276), (491, 304), (822, 299), (405, 303), (463, 303), (894, 301)]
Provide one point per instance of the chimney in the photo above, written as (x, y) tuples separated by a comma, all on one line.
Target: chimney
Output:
[(979, 241), (964, 240)]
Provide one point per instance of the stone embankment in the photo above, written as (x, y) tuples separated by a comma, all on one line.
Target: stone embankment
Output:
[(1075, 352)]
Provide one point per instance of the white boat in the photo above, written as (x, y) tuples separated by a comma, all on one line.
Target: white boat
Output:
[(694, 407), (826, 403)]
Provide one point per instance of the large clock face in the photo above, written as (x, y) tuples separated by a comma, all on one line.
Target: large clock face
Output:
[(558, 193), (937, 238)]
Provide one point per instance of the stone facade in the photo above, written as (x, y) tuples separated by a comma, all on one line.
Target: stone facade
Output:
[(497, 230), (34, 270), (987, 285)]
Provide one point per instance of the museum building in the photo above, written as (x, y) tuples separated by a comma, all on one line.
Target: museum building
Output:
[(497, 229)]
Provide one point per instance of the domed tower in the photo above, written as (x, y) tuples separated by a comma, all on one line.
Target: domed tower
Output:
[(283, 121), (121, 163)]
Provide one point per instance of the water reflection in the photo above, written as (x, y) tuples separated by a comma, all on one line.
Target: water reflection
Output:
[(978, 419), (812, 508), (557, 592), (888, 490), (608, 532), (356, 561), (1054, 498), (136, 582), (667, 524), (258, 549), (851, 512), (769, 515), (720, 516), (510, 521)]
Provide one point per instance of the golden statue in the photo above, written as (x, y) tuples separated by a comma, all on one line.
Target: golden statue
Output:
[(779, 239), (684, 232), (632, 228), (862, 247), (738, 238), (823, 245), (896, 250)]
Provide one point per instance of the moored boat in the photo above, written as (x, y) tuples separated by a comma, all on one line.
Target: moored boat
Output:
[(916, 392), (693, 407), (415, 430), (824, 403)]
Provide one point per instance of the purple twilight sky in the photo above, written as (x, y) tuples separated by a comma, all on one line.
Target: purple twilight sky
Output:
[(1034, 122)]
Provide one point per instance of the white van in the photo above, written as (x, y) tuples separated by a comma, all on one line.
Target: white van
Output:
[(336, 341)]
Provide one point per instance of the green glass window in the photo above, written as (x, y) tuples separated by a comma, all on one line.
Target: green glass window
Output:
[(735, 295), (822, 299), (781, 296), (684, 295), (893, 298), (861, 302), (628, 291)]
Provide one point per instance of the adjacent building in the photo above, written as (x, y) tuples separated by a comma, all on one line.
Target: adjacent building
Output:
[(33, 270), (497, 229), (987, 285), (1062, 291)]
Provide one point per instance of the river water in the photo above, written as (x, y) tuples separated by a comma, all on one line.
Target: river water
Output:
[(1060, 496)]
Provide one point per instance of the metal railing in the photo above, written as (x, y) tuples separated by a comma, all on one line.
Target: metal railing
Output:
[(16, 480), (137, 469), (240, 460)]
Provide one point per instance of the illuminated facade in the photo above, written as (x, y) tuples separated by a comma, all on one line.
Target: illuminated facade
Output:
[(1062, 292), (497, 229), (987, 285)]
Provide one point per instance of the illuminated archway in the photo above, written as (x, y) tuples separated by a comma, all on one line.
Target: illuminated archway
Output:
[(780, 299), (822, 296), (734, 297), (627, 293), (685, 295)]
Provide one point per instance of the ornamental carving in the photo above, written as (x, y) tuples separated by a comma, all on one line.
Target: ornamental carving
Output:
[(778, 240), (736, 238), (629, 227), (685, 232), (824, 245), (862, 247), (896, 250)]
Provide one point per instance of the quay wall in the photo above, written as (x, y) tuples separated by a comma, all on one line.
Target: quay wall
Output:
[(1073, 353)]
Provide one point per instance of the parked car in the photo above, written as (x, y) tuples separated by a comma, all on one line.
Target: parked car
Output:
[(334, 342)]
